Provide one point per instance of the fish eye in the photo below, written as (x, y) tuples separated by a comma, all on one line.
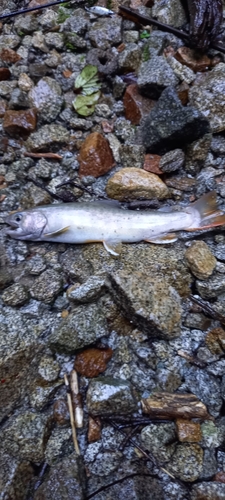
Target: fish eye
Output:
[(18, 217)]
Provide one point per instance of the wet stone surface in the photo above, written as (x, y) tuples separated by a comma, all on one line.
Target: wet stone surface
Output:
[(126, 324)]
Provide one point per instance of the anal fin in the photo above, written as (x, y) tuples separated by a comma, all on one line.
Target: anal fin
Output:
[(163, 239), (113, 247), (57, 233)]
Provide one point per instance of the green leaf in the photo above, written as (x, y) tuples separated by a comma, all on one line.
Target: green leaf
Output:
[(85, 105), (86, 75), (144, 34)]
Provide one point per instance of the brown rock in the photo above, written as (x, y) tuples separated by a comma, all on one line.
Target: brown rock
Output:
[(20, 123), (193, 59), (188, 431), (2, 108), (168, 405), (151, 164), (93, 361), (94, 429), (215, 341), (4, 74), (220, 477), (183, 184), (200, 260), (135, 183), (135, 105), (95, 156), (61, 412), (9, 56), (107, 127), (183, 93)]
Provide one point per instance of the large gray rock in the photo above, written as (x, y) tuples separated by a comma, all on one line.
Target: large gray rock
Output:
[(205, 387), (65, 479), (154, 76), (106, 32), (208, 96), (46, 97), (46, 136), (84, 325), (170, 124), (148, 301)]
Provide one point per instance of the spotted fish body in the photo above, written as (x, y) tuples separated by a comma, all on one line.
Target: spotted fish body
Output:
[(110, 224)]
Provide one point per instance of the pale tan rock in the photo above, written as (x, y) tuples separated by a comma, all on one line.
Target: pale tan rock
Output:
[(25, 83), (200, 260), (135, 183)]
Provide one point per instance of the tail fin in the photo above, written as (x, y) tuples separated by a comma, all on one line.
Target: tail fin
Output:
[(208, 212)]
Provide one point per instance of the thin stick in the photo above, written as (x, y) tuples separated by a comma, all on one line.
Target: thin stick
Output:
[(52, 156), (70, 406), (39, 7), (144, 20)]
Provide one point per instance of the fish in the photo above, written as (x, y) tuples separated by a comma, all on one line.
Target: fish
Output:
[(100, 11), (109, 223)]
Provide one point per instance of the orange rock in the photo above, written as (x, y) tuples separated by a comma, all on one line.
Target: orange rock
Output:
[(192, 59), (67, 73), (220, 477), (94, 429), (9, 55), (2, 108), (95, 156), (20, 123), (151, 164), (215, 341), (93, 361), (4, 74), (188, 431), (135, 105), (64, 313)]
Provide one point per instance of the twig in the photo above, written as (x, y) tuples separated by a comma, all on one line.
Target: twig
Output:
[(30, 9), (192, 359), (208, 309), (77, 400), (133, 15), (52, 156), (70, 406)]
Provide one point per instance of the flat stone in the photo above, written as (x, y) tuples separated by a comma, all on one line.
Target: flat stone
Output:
[(181, 183), (130, 58), (151, 164), (15, 295), (135, 105), (46, 136), (211, 288), (17, 123), (46, 97), (84, 325), (107, 396), (106, 32), (154, 76), (88, 291), (208, 491), (182, 72), (132, 155), (188, 431), (187, 462), (47, 286), (201, 260), (133, 183), (170, 123), (95, 156), (25, 436), (208, 96), (152, 304), (9, 56), (172, 161)]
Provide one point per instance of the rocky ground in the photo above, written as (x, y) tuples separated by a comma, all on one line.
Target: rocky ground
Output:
[(127, 325)]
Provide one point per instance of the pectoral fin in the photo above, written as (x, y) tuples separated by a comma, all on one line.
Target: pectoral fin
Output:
[(163, 239), (113, 247), (57, 233)]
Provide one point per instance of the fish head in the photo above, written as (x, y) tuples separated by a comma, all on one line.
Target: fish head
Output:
[(27, 225)]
